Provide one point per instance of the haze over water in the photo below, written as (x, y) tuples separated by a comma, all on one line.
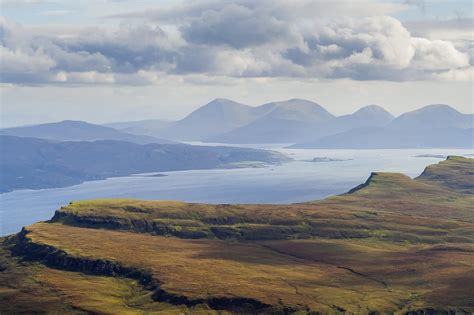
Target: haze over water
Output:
[(291, 182)]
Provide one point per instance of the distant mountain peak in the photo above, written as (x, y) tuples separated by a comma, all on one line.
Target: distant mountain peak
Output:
[(436, 107), (301, 100), (433, 116), (70, 121), (299, 109), (440, 110), (373, 110), (220, 104), (296, 101), (222, 101)]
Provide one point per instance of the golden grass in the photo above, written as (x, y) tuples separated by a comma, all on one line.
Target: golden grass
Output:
[(358, 276), (32, 288), (392, 245), (398, 193), (104, 295), (451, 174), (355, 215)]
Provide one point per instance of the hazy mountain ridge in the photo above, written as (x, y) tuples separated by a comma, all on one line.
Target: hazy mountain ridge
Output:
[(432, 126), (30, 163), (148, 127), (371, 115), (214, 118), (285, 122), (433, 117), (302, 122), (71, 130), (310, 125)]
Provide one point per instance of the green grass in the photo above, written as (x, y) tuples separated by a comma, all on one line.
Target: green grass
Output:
[(356, 275), (365, 213), (393, 244), (451, 174), (31, 287)]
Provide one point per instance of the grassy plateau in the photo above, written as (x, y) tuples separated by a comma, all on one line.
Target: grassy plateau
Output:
[(393, 245)]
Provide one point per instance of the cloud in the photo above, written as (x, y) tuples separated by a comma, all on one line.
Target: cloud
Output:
[(437, 55), (464, 74), (457, 31), (234, 39), (239, 26), (22, 67)]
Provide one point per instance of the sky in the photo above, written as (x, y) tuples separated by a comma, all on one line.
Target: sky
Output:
[(120, 60)]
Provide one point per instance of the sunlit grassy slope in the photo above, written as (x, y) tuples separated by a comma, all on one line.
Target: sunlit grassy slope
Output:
[(392, 245)]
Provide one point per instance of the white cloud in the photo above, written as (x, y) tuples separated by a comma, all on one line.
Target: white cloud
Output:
[(18, 66), (239, 38), (437, 55), (464, 74), (84, 77), (457, 31)]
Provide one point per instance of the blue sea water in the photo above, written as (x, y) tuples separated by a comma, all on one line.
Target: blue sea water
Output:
[(296, 181)]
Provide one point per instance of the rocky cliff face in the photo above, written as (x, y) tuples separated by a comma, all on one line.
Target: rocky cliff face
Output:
[(22, 245)]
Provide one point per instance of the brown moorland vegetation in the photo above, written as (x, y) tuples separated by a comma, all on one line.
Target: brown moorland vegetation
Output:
[(392, 245)]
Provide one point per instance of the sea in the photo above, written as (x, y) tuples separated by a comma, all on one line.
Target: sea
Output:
[(312, 175)]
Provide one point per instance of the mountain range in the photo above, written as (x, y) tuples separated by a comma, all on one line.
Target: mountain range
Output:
[(433, 126), (309, 125), (300, 123)]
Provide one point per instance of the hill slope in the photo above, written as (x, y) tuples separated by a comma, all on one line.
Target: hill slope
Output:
[(309, 125), (70, 130), (287, 121), (35, 163), (392, 245), (216, 117), (433, 126), (382, 138), (367, 116), (432, 117), (149, 127)]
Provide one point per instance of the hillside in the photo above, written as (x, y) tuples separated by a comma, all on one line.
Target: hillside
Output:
[(433, 126), (310, 126), (391, 245), (226, 121), (383, 138), (439, 116), (367, 116), (148, 127), (70, 130), (30, 163), (287, 121), (214, 118)]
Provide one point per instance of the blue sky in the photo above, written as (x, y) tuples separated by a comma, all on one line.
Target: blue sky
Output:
[(83, 12), (109, 60)]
